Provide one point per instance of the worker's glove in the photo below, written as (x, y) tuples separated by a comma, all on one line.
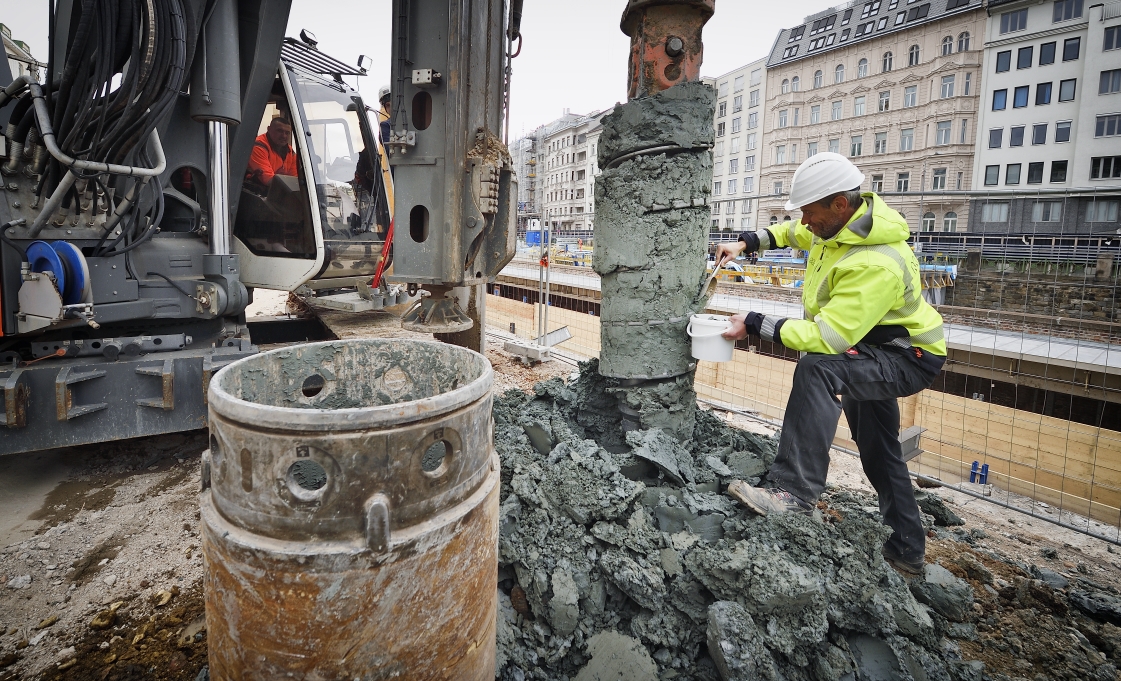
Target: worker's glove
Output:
[(764, 326)]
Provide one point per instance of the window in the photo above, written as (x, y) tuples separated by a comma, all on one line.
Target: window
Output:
[(1020, 97), (817, 78), (900, 18), (737, 103), (719, 129), (992, 175), (796, 117), (919, 12), (1014, 21), (737, 86), (928, 222), (943, 132), (718, 149), (1105, 167), (964, 131), (1067, 9), (1039, 133), (862, 68), (1106, 126), (947, 86), (811, 149), (950, 222), (1047, 211), (913, 56), (752, 120), (1062, 131), (1042, 94), (731, 185), (1110, 82), (735, 125), (903, 182), (880, 143), (1058, 171), (996, 136), (1016, 136), (947, 46), (749, 164), (939, 179), (782, 118), (906, 139), (756, 76), (968, 82), (1012, 174), (1066, 90), (722, 91), (1047, 54), (1112, 38), (795, 84), (748, 184), (1102, 211), (753, 98), (1071, 48), (815, 114), (785, 87), (839, 74), (1023, 57), (887, 62), (778, 188), (835, 112), (994, 212), (1003, 61), (910, 96), (780, 154), (721, 109), (858, 106), (580, 175), (733, 167), (750, 141), (885, 101), (857, 145), (877, 183), (963, 41), (735, 146), (793, 153), (1035, 173), (730, 223), (835, 146), (716, 192)]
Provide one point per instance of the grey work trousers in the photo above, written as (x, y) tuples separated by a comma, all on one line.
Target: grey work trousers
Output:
[(868, 380)]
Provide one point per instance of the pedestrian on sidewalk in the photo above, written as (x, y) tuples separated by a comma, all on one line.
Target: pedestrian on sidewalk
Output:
[(867, 336)]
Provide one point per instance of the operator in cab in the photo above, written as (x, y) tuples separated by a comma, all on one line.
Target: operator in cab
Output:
[(868, 336), (272, 155)]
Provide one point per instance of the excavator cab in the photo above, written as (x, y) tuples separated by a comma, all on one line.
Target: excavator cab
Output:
[(316, 196)]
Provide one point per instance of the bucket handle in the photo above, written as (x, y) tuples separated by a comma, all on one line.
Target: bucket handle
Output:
[(689, 331)]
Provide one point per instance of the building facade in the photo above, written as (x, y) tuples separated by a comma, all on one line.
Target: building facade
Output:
[(1050, 124), (526, 155), (568, 171), (20, 60), (740, 98), (892, 84)]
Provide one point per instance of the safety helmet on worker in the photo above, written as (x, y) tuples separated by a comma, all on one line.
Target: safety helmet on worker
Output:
[(822, 175), (383, 93)]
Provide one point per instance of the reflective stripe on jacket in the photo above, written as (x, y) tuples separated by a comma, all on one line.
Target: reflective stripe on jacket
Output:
[(863, 284)]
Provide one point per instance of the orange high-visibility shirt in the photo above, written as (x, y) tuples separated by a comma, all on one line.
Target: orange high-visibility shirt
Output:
[(264, 162)]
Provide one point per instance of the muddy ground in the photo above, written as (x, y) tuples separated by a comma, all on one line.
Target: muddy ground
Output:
[(100, 574)]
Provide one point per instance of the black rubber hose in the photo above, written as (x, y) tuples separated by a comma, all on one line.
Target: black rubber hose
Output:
[(5, 239)]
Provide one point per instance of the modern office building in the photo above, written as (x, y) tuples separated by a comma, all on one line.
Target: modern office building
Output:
[(894, 85), (741, 96), (1050, 123)]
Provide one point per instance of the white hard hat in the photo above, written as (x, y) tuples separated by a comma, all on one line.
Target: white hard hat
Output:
[(820, 176), (383, 92)]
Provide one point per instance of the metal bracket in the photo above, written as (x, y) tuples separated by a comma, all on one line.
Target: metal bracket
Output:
[(64, 398), (17, 394), (166, 374)]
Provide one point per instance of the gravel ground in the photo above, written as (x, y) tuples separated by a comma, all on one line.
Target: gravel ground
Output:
[(100, 572)]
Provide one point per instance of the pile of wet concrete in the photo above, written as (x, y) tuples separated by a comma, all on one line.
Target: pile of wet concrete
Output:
[(621, 557)]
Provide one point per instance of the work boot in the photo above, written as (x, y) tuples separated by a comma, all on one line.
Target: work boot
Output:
[(766, 501), (908, 568)]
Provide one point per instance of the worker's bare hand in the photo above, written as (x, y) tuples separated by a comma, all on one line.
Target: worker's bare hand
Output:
[(739, 329), (727, 251)]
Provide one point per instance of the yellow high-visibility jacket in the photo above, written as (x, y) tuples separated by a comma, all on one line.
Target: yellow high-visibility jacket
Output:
[(861, 285)]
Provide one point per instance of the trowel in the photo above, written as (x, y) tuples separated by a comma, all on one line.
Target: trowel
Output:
[(709, 287)]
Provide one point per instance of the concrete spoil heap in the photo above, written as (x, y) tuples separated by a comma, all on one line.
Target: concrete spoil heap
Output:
[(651, 237)]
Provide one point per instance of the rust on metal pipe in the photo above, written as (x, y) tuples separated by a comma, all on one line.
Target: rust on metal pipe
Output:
[(666, 47), (350, 514)]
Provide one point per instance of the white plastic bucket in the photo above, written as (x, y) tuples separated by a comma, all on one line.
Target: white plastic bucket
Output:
[(708, 344)]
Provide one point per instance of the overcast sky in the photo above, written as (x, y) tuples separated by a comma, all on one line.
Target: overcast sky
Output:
[(573, 56)]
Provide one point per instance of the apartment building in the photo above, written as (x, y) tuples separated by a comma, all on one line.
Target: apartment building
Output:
[(741, 96), (20, 60), (568, 170), (894, 85), (1051, 118), (526, 155)]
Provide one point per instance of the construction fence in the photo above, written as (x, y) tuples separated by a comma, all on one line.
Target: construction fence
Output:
[(1036, 412)]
